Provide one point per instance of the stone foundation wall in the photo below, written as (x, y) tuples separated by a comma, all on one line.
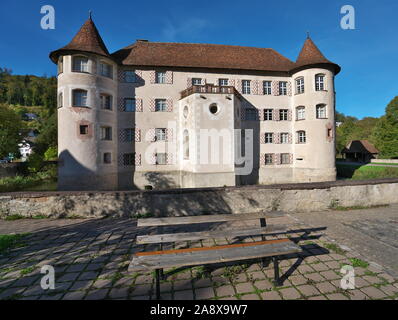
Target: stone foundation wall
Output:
[(288, 197)]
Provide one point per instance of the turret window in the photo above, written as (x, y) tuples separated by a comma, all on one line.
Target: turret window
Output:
[(106, 70), (80, 64), (79, 98), (60, 65), (106, 101), (320, 82), (321, 111), (300, 113), (300, 85), (106, 133), (60, 100)]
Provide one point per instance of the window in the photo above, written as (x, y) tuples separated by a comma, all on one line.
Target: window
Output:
[(269, 137), (268, 114), (161, 158), (186, 144), (285, 158), (223, 82), (84, 129), (160, 77), (129, 76), (251, 114), (160, 105), (321, 111), (60, 65), (246, 86), (300, 113), (320, 82), (106, 70), (106, 101), (269, 159), (196, 81), (80, 64), (60, 100), (283, 114), (267, 87), (282, 88), (284, 137), (107, 158), (106, 133), (129, 105), (160, 134), (79, 98), (128, 159), (300, 85), (330, 133), (213, 108), (129, 133), (301, 137)]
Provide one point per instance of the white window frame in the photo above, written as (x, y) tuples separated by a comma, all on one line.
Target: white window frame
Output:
[(301, 137), (300, 85), (160, 134), (284, 136), (161, 158), (106, 133), (160, 77), (269, 137), (283, 88), (223, 82), (196, 81), (103, 99), (160, 105), (321, 111), (283, 114), (60, 99), (267, 87), (319, 82), (269, 159), (285, 156), (106, 70), (246, 87), (79, 101), (82, 66), (300, 113), (268, 114)]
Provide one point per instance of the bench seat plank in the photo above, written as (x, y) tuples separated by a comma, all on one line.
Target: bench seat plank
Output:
[(153, 222), (197, 256), (215, 234)]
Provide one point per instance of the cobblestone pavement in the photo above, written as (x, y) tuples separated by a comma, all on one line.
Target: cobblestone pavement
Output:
[(90, 258)]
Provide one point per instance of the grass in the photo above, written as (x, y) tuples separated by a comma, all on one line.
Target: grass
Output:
[(42, 181), (341, 208), (334, 247), (363, 172), (359, 263), (11, 241), (15, 217)]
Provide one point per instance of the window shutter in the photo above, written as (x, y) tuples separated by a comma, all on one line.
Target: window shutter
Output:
[(169, 105), (290, 138), (151, 135), (138, 105), (277, 158), (122, 135), (137, 135), (152, 105), (231, 82), (169, 77), (169, 135), (254, 86), (261, 114), (120, 75), (262, 159), (152, 76), (289, 115), (275, 88), (276, 114), (243, 114), (137, 159), (169, 158), (189, 82), (277, 138), (291, 158), (262, 138), (289, 88), (120, 104), (152, 159), (238, 85), (260, 87)]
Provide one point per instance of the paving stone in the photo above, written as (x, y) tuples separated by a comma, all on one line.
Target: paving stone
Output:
[(183, 295), (51, 297), (11, 293), (97, 294), (387, 277), (298, 280), (315, 277), (357, 295), (308, 290), (119, 293), (320, 267), (372, 279), (251, 296), (141, 290), (74, 295), (304, 269), (204, 293), (76, 268), (94, 267), (102, 283), (333, 264), (336, 296), (187, 285), (144, 279), (244, 287), (330, 275), (143, 298), (389, 289), (271, 295), (25, 281), (263, 285), (374, 293), (325, 287), (81, 285), (200, 283), (225, 291), (290, 293), (229, 298), (317, 298), (90, 275)]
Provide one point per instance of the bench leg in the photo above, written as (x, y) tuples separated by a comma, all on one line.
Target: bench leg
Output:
[(157, 271), (276, 271)]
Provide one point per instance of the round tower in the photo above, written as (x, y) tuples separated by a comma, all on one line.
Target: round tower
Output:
[(314, 108), (87, 113)]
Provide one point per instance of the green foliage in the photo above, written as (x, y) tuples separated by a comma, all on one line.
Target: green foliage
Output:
[(51, 154), (359, 263), (35, 163), (372, 172), (10, 125), (8, 242)]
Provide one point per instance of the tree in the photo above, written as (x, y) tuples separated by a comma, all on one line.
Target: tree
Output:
[(10, 127), (385, 133)]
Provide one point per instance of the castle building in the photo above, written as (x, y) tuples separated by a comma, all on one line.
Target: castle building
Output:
[(181, 115)]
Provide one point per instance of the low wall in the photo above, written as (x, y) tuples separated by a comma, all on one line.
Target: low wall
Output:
[(392, 161), (287, 197)]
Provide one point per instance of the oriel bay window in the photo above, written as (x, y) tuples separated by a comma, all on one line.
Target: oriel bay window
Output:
[(106, 70), (80, 64)]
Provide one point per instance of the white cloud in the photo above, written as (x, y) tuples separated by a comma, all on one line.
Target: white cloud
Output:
[(188, 28)]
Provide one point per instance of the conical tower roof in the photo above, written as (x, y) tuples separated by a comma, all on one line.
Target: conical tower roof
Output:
[(310, 55), (87, 39)]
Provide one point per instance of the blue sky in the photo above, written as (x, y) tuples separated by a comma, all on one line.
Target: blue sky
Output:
[(367, 55)]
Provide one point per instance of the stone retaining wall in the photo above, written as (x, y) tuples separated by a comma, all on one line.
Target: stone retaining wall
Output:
[(288, 197), (392, 161)]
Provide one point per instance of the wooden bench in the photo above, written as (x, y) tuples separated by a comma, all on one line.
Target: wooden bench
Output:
[(163, 259)]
